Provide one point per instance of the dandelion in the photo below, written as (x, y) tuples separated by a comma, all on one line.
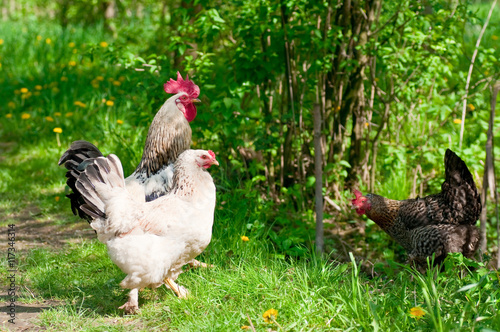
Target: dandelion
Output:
[(417, 312), (38, 87), (120, 122), (75, 51), (486, 72), (103, 44), (38, 37), (99, 78), (8, 116), (338, 108), (72, 63), (270, 315), (1, 41), (57, 198), (471, 107), (58, 130), (48, 41), (244, 238), (110, 103), (25, 116), (80, 104), (457, 121), (117, 83), (11, 104), (64, 79), (367, 124), (245, 327), (57, 114), (494, 37), (71, 44), (69, 114), (49, 119), (24, 90)]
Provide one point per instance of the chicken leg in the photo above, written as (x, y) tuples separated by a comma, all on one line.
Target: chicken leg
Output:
[(180, 291), (132, 305), (194, 264)]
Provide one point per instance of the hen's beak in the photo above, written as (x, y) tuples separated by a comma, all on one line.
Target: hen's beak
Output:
[(196, 100), (215, 162)]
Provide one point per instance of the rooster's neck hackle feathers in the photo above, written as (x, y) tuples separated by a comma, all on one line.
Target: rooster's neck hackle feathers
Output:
[(168, 136)]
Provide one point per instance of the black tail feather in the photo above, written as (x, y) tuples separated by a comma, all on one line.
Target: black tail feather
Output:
[(76, 159)]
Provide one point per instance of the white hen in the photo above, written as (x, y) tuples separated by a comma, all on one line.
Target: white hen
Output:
[(151, 241)]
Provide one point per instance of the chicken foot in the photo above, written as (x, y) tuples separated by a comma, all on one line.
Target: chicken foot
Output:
[(194, 264), (180, 291), (132, 305)]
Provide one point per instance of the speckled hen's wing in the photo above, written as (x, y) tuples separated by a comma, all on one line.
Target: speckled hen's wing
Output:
[(458, 203)]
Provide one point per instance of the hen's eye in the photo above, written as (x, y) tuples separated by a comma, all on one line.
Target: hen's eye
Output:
[(204, 157)]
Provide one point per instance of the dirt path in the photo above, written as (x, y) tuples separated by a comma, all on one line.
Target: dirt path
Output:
[(35, 231)]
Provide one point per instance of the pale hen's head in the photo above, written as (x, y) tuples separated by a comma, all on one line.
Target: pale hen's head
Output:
[(361, 203), (200, 158), (190, 92)]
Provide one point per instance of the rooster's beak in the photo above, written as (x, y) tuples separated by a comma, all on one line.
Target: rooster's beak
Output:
[(195, 100)]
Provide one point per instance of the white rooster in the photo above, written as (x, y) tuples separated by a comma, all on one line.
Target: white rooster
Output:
[(151, 241)]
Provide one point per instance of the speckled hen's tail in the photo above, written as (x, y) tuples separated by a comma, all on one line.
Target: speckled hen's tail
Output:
[(97, 182), (79, 155), (460, 190)]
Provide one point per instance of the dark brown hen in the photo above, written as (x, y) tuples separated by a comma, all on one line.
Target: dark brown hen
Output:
[(440, 223)]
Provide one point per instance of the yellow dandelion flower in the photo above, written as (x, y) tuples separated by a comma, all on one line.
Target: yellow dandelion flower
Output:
[(338, 108), (48, 40), (24, 90), (270, 315), (8, 116), (38, 37), (57, 114), (57, 198), (367, 124), (110, 103), (75, 51), (117, 83), (486, 72), (64, 79), (120, 122), (417, 312), (38, 87), (245, 327), (1, 41), (103, 44), (244, 238), (49, 118), (494, 37), (72, 63), (457, 121), (25, 116), (11, 104), (99, 78), (69, 114), (58, 130), (71, 44), (80, 104), (471, 107)]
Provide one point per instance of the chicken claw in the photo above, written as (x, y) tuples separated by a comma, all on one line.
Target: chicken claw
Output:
[(132, 305), (180, 291), (196, 264)]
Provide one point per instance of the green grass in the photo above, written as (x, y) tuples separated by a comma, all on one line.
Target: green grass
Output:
[(310, 293)]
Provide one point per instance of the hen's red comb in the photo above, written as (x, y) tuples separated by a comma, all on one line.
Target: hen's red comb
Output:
[(358, 194), (181, 85), (210, 152)]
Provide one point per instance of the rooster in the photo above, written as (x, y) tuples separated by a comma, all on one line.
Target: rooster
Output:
[(151, 241), (168, 136), (437, 224)]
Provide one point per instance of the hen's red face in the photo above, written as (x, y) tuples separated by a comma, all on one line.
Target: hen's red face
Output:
[(361, 203), (207, 159)]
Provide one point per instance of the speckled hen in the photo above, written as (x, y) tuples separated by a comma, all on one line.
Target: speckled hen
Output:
[(151, 241), (436, 224)]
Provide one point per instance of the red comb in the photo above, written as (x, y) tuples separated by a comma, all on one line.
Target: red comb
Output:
[(210, 152), (181, 85)]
